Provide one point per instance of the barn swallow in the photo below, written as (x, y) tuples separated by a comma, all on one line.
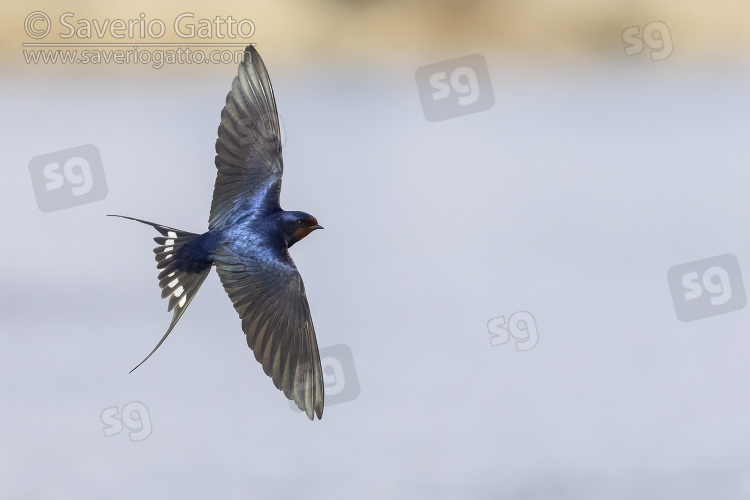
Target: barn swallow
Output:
[(248, 241)]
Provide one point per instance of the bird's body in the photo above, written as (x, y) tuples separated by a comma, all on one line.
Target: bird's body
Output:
[(248, 240)]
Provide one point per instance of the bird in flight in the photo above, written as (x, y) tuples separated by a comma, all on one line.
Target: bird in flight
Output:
[(248, 238)]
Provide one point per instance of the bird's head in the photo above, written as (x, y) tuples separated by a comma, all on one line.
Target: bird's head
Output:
[(297, 225)]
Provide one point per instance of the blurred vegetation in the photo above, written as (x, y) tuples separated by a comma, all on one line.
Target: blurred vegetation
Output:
[(384, 31)]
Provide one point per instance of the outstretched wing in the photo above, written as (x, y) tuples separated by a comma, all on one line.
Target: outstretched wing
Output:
[(269, 296), (248, 150)]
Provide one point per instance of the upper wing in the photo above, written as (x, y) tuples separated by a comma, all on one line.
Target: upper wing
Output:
[(269, 296), (248, 150)]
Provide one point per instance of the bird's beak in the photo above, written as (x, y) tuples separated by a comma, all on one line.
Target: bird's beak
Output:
[(317, 226)]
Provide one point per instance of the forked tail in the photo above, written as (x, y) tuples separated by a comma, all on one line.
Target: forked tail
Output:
[(181, 275)]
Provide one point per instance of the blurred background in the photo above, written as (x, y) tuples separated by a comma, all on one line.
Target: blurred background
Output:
[(611, 146)]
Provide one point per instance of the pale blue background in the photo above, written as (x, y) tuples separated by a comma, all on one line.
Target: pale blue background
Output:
[(570, 199)]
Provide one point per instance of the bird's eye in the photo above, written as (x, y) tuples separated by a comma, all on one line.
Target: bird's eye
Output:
[(299, 222)]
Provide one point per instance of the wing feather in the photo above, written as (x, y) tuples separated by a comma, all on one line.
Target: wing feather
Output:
[(269, 297), (248, 149)]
